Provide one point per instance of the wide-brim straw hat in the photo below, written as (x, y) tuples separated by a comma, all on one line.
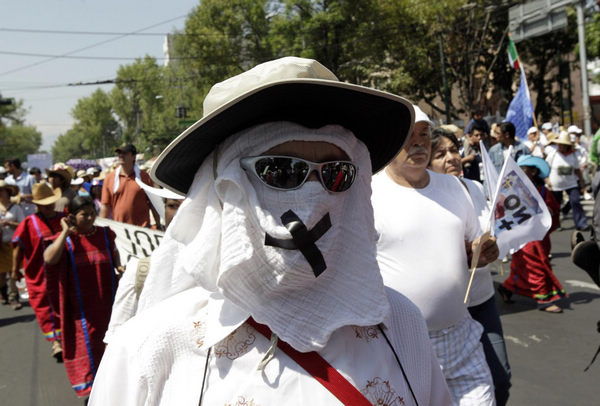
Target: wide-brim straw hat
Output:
[(44, 195), (563, 138), (13, 190), (101, 176), (454, 129), (63, 170), (288, 89)]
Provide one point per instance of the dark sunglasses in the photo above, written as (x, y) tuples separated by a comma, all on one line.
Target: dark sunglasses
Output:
[(288, 173)]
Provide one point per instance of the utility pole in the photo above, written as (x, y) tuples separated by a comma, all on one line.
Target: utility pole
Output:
[(587, 122)]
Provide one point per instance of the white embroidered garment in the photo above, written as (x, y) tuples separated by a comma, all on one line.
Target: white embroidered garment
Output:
[(126, 300), (216, 241), (159, 358)]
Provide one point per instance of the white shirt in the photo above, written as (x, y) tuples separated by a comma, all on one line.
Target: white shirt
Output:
[(14, 213), (159, 358), (421, 243), (126, 300), (538, 150), (562, 171)]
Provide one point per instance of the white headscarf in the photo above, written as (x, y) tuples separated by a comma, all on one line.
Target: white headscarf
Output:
[(216, 241)]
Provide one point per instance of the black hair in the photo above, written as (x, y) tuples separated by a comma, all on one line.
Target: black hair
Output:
[(479, 127), (78, 203), (508, 127), (34, 171), (14, 161), (436, 138)]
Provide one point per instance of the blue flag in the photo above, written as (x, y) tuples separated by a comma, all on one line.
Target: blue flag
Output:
[(520, 110)]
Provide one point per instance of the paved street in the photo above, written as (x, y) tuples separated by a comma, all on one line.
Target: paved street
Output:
[(548, 352)]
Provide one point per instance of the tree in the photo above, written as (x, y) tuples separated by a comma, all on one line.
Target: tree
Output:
[(224, 38), (94, 133), (18, 140), (69, 145), (144, 102), (549, 59)]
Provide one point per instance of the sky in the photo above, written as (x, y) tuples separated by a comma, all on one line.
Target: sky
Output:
[(43, 86)]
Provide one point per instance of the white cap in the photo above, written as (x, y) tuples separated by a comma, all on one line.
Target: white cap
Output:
[(547, 126), (76, 181), (90, 171), (420, 116), (2, 170), (532, 130), (573, 129)]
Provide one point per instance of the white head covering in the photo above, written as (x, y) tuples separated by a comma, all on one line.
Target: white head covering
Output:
[(216, 241), (421, 116)]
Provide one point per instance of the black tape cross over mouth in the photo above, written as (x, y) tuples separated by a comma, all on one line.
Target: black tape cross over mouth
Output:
[(303, 239)]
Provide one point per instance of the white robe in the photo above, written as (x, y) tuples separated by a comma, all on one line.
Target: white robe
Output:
[(159, 358)]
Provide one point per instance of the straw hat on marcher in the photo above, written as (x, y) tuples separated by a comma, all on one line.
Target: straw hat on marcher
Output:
[(63, 170), (454, 129), (13, 190), (101, 176), (563, 138), (44, 195)]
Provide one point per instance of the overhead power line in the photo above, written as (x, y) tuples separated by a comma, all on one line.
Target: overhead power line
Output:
[(67, 32), (54, 56), (91, 46)]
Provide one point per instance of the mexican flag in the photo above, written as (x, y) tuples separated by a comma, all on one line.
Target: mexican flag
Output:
[(513, 57)]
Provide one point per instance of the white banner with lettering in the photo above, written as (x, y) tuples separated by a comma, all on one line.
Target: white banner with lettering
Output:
[(132, 241)]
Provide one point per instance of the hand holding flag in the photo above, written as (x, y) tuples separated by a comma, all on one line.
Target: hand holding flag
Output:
[(519, 214)]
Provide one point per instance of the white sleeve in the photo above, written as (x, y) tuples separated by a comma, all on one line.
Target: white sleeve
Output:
[(125, 305), (117, 380), (410, 339), (472, 228)]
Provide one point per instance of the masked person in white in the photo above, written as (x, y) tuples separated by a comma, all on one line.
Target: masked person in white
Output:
[(426, 228), (266, 283)]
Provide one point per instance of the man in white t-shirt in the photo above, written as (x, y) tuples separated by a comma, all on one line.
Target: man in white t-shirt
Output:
[(424, 221), (534, 143)]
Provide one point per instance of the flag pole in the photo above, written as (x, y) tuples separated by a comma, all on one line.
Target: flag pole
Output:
[(489, 231), (524, 77)]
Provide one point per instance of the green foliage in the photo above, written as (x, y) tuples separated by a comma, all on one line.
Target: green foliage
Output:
[(11, 113), (18, 140), (69, 145), (393, 45), (95, 132), (550, 58)]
